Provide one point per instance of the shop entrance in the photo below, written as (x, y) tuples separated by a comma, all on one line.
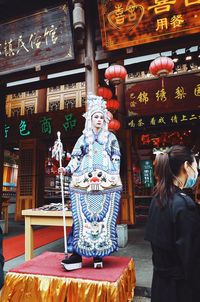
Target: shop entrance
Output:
[(144, 149)]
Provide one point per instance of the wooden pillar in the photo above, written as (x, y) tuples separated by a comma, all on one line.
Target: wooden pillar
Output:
[(91, 73), (2, 131), (127, 213), (42, 97)]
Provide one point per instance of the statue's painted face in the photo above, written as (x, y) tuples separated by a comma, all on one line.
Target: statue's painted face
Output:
[(97, 120)]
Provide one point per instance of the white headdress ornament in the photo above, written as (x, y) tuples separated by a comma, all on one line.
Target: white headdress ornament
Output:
[(96, 104)]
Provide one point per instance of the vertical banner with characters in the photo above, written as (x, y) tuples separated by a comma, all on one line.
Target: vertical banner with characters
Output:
[(147, 173)]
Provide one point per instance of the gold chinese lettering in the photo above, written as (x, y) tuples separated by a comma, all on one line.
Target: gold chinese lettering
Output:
[(132, 13), (131, 124), (35, 41), (153, 121), (161, 95), (180, 93), (132, 104), (21, 45), (132, 95), (131, 113), (191, 2), (110, 42), (8, 48), (184, 118), (132, 9), (161, 120), (140, 122), (177, 21), (51, 33), (174, 119), (193, 117), (162, 24), (143, 97), (197, 90), (119, 14), (162, 6)]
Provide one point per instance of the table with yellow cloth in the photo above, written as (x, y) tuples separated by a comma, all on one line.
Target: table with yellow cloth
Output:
[(43, 279)]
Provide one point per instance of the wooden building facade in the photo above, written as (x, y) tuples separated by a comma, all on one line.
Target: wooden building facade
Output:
[(33, 111)]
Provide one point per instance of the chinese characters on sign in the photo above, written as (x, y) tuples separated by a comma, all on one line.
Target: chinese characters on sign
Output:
[(126, 23), (70, 122), (163, 120), (44, 125), (12, 47), (39, 39), (147, 173), (149, 98)]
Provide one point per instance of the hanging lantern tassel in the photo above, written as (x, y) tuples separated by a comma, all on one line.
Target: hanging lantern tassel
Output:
[(163, 83)]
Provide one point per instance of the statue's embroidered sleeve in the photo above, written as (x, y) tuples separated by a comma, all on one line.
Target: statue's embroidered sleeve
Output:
[(115, 152)]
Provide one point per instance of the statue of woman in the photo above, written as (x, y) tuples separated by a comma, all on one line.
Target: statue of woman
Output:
[(95, 188)]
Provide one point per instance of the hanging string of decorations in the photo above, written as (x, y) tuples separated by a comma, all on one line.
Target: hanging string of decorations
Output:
[(113, 104), (104, 92), (161, 67)]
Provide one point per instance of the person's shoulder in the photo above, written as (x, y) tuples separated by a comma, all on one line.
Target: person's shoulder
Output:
[(182, 201)]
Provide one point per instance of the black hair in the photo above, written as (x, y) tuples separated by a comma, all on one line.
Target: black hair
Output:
[(167, 167)]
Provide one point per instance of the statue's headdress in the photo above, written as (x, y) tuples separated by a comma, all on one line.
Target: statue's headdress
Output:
[(96, 104)]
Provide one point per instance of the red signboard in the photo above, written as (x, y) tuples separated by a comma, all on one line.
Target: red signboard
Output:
[(36, 40), (179, 93), (126, 23)]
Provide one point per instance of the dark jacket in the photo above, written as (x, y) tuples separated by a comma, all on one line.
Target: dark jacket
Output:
[(174, 233), (1, 260)]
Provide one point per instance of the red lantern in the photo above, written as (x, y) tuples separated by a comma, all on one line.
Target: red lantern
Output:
[(112, 104), (105, 92), (114, 125), (115, 74), (161, 67)]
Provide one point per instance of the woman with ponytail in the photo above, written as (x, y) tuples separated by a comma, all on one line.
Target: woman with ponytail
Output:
[(173, 229)]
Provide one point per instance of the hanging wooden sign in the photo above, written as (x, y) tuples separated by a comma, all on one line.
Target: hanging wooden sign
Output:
[(126, 23), (164, 120), (44, 125), (180, 93), (36, 40)]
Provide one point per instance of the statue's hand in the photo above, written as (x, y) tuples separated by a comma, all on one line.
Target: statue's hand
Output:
[(62, 170)]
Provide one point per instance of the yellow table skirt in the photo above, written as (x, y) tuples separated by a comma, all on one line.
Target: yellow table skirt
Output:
[(39, 288)]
